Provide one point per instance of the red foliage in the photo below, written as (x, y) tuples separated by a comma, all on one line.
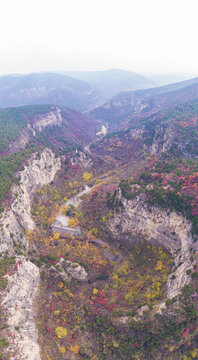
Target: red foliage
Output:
[(185, 333), (15, 267), (100, 300), (111, 307)]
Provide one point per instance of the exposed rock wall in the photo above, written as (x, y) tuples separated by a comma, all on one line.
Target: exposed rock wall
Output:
[(23, 284), (51, 118), (82, 159), (21, 142), (70, 271), (39, 171), (18, 301), (168, 229), (36, 125)]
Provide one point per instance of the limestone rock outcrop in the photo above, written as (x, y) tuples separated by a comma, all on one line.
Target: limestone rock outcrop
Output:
[(51, 118), (40, 171), (23, 284), (71, 271), (18, 302), (35, 125), (158, 227)]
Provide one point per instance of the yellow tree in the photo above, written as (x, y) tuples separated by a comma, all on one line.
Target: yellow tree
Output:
[(73, 222), (87, 176)]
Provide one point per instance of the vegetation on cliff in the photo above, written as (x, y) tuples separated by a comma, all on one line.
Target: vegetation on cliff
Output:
[(119, 309)]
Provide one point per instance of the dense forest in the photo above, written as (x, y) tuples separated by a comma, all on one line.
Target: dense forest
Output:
[(9, 165), (14, 120)]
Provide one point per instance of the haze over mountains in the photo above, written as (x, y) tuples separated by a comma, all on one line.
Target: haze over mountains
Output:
[(42, 88), (127, 105), (113, 81), (161, 79), (98, 217), (99, 180), (91, 94), (78, 90)]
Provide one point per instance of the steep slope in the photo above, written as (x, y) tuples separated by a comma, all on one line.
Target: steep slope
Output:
[(46, 88), (118, 278), (13, 121), (18, 125), (172, 131), (165, 144), (38, 171), (124, 107), (23, 282), (28, 129)]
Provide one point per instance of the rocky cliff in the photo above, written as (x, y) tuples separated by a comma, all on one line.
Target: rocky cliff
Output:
[(35, 125), (49, 119), (40, 171), (159, 227), (19, 315), (23, 284)]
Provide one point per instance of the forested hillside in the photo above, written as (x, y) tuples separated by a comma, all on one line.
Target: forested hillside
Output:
[(122, 108), (99, 230), (47, 88), (13, 121), (20, 125)]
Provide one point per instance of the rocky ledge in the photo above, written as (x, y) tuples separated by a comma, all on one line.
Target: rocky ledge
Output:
[(18, 311), (159, 227), (23, 285), (37, 124), (39, 171)]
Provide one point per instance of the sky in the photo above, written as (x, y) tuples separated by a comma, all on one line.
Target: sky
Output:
[(135, 35)]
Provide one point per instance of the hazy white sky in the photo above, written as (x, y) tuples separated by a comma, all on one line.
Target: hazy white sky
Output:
[(136, 35)]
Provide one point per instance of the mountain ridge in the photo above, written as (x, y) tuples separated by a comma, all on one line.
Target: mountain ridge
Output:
[(45, 88), (100, 229), (125, 106)]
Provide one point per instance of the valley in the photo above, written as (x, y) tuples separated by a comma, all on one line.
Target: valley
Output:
[(99, 229)]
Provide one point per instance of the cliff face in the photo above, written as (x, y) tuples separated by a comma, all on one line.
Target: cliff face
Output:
[(39, 171), (81, 158), (52, 118), (36, 125), (23, 285), (18, 300), (158, 227)]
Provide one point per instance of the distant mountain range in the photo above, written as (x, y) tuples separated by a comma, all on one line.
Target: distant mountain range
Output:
[(79, 90), (113, 81), (47, 88), (116, 273), (161, 79), (126, 106)]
